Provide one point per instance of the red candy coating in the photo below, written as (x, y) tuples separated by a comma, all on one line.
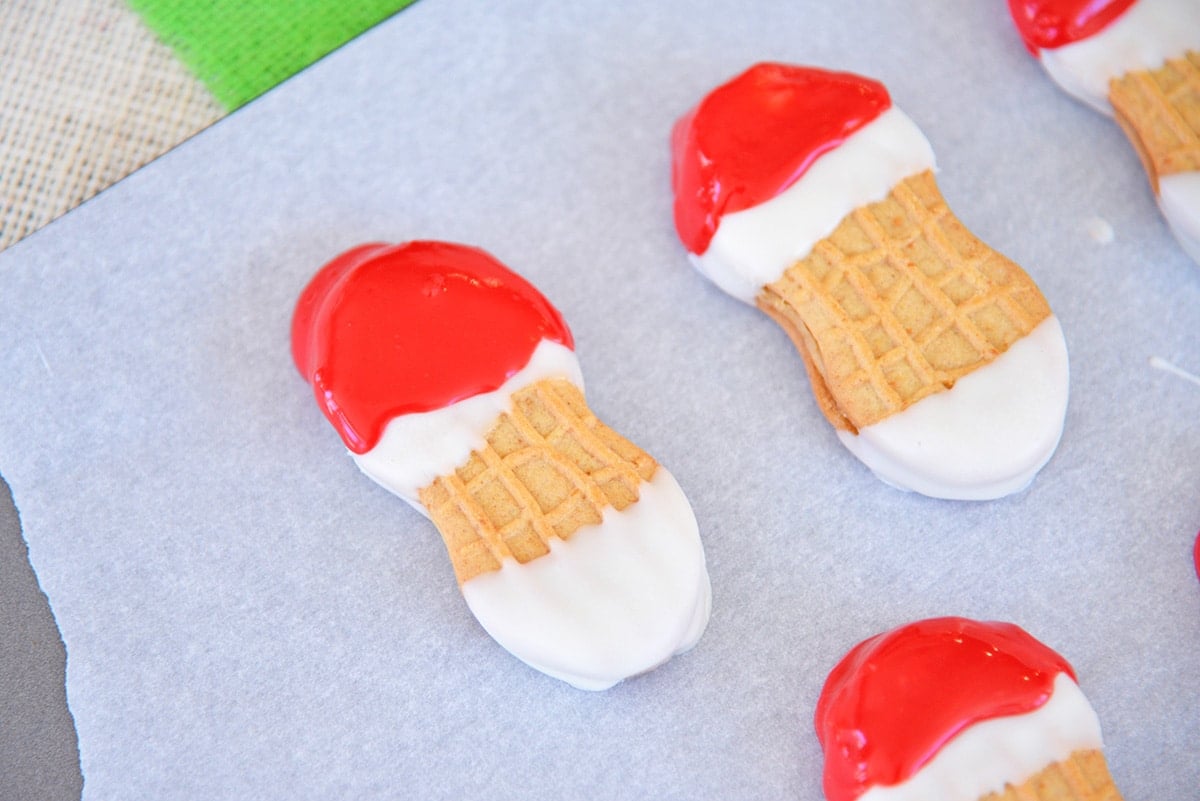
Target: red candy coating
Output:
[(754, 136), (1196, 555), (312, 296), (1047, 24), (386, 330), (897, 698)]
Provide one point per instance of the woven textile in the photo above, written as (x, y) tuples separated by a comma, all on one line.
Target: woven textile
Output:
[(90, 90), (88, 95)]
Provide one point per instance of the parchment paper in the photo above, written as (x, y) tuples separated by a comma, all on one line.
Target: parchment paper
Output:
[(246, 616)]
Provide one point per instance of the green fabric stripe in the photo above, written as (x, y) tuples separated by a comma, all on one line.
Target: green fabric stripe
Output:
[(241, 48)]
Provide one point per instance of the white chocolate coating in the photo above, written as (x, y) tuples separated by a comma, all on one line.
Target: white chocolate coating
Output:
[(1159, 363), (417, 448), (984, 757), (753, 247), (1179, 199), (617, 599), (986, 437), (1144, 37)]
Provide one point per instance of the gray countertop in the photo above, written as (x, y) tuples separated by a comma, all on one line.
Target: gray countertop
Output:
[(39, 755)]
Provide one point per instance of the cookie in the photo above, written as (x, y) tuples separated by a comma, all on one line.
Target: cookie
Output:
[(959, 710), (938, 361), (1137, 61), (454, 384)]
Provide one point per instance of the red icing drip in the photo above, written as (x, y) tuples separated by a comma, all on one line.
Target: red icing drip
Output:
[(754, 136), (386, 330), (897, 698), (1047, 24)]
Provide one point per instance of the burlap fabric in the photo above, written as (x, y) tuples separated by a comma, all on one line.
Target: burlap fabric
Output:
[(87, 95)]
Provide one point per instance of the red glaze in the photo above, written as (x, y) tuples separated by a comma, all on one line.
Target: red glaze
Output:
[(1047, 24), (897, 698), (754, 136), (386, 330), (1196, 555)]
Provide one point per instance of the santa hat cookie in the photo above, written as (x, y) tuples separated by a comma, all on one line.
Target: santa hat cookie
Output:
[(1138, 60), (454, 384), (959, 710), (936, 359)]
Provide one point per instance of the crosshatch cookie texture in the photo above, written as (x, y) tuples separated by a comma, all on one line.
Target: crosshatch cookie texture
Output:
[(898, 303)]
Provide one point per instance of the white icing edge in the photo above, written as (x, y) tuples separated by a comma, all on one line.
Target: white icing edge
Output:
[(617, 599), (1179, 199), (417, 448), (1144, 37), (1010, 750), (753, 247), (984, 438)]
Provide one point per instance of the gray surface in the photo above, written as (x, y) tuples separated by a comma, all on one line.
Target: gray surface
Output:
[(247, 616), (39, 756)]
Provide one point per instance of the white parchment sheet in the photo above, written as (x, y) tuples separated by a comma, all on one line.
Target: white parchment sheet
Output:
[(246, 616)]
